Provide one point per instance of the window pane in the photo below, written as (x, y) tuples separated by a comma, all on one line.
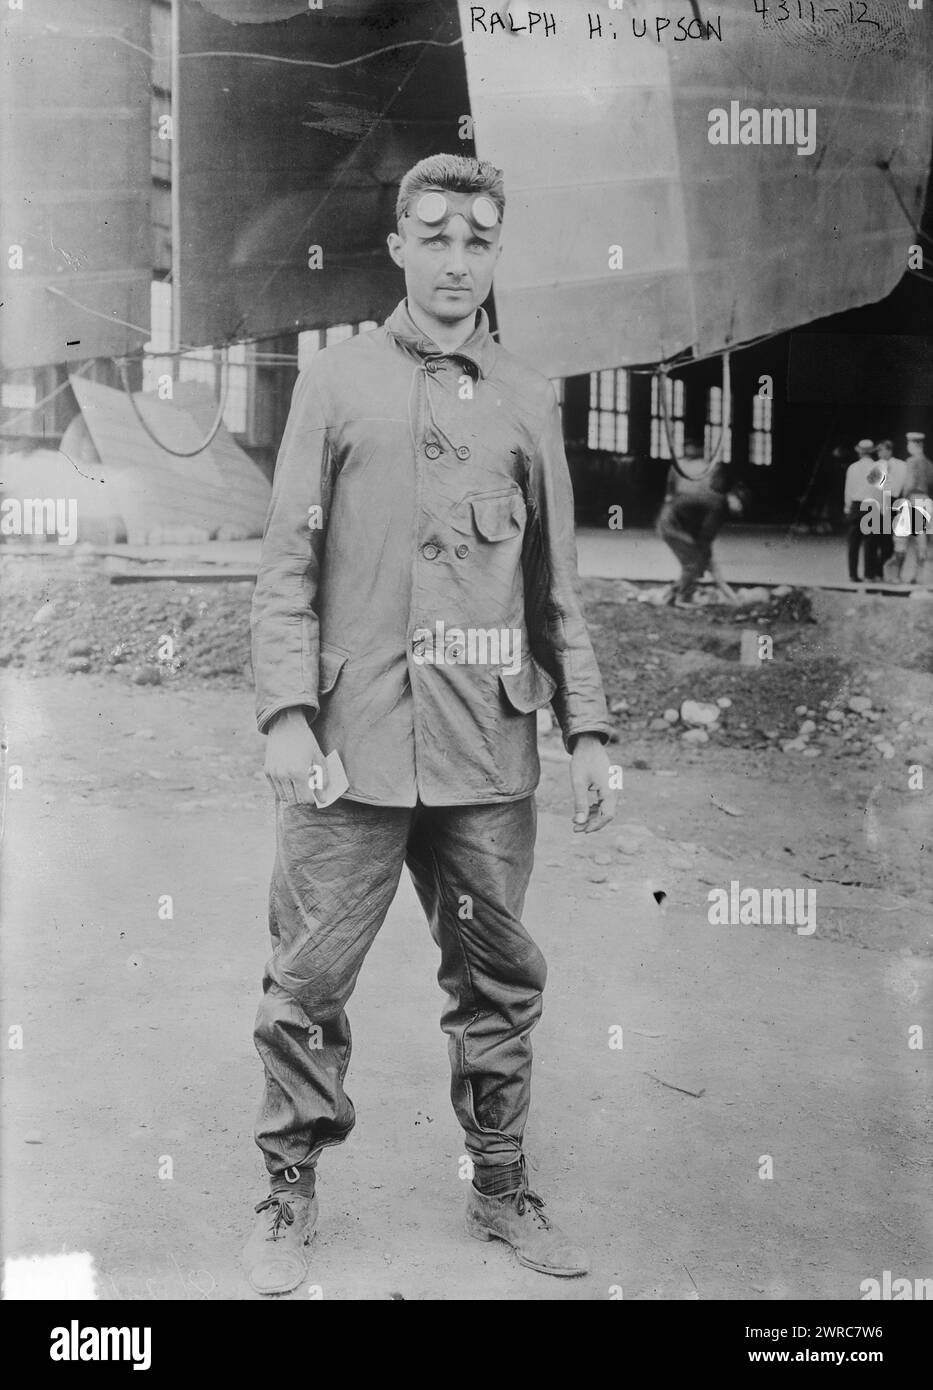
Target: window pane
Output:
[(607, 425), (235, 409), (310, 341), (675, 395), (338, 333), (592, 433), (160, 340), (197, 365), (760, 449)]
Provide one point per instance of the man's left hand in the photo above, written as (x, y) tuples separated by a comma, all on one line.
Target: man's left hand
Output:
[(594, 799)]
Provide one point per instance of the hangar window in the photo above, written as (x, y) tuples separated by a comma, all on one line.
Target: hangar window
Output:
[(311, 340), (717, 437), (160, 335), (237, 406), (676, 397), (759, 441), (608, 415), (200, 365)]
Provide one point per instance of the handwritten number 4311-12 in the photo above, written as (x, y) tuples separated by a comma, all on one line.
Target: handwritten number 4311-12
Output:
[(782, 11)]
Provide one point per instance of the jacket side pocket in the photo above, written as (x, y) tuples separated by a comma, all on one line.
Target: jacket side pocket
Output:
[(333, 661), (529, 688)]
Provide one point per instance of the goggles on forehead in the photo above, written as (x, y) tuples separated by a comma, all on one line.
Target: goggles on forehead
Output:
[(434, 208)]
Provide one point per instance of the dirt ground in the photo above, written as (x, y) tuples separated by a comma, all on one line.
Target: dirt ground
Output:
[(739, 1042)]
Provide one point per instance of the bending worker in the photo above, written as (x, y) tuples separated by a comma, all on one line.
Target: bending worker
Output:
[(694, 511)]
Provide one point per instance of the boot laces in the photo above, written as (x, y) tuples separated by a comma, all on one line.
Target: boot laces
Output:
[(528, 1200), (284, 1216)]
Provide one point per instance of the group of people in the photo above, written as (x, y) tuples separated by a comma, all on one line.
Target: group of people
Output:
[(889, 508)]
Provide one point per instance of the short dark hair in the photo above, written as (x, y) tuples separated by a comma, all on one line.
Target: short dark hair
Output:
[(885, 444), (460, 173)]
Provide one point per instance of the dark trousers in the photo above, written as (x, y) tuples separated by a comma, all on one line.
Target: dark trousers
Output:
[(335, 875), (873, 546), (694, 557)]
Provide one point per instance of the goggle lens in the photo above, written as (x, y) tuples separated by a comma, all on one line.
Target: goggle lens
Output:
[(432, 208), (485, 212)]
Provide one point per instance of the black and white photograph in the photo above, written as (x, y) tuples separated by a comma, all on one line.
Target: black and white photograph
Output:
[(466, 663)]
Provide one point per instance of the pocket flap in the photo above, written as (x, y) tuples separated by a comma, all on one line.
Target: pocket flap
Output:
[(333, 661), (499, 518), (528, 688)]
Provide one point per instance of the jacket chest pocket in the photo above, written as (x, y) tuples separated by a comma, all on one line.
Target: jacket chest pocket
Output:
[(498, 516)]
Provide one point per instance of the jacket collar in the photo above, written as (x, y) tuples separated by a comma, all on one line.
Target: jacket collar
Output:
[(479, 349)]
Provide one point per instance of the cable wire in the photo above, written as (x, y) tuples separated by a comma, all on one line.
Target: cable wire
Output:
[(39, 405), (108, 318), (316, 62), (256, 57), (885, 166), (177, 453), (663, 379), (184, 351), (95, 34)]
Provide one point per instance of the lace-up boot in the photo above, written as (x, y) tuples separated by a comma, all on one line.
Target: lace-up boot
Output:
[(520, 1220), (275, 1256)]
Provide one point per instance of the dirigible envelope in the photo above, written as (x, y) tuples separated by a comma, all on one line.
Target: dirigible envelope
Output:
[(605, 143)]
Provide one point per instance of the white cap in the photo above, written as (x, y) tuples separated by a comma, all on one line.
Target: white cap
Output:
[(865, 446), (916, 435)]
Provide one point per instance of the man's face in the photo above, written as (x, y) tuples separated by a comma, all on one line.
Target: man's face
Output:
[(915, 447), (449, 266), (885, 452)]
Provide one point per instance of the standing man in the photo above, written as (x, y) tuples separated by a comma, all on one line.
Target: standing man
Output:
[(862, 484), (894, 475), (918, 516), (416, 604)]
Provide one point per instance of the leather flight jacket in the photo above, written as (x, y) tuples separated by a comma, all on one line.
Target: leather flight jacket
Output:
[(417, 590)]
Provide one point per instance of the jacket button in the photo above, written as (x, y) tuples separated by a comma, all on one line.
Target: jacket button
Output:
[(433, 451), (463, 452), (462, 552), (431, 366), (430, 551)]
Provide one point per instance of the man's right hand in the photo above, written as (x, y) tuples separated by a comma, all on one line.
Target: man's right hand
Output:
[(291, 751)]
